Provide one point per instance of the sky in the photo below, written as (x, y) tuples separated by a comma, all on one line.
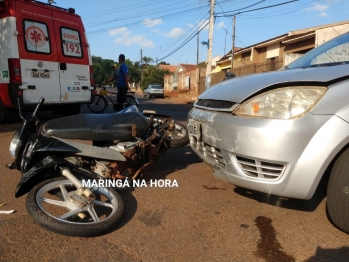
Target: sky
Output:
[(166, 30)]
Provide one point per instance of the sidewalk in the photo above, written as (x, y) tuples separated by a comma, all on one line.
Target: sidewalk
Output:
[(182, 96), (178, 96)]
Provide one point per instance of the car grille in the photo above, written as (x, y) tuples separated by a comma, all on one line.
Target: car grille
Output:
[(215, 104), (259, 169), (210, 152)]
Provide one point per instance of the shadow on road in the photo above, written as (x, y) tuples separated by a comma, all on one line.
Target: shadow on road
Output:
[(295, 204), (322, 254), (130, 208), (175, 159)]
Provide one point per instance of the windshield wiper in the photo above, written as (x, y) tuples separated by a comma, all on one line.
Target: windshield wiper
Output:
[(330, 64)]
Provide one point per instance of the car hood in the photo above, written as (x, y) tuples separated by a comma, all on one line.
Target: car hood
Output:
[(239, 88)]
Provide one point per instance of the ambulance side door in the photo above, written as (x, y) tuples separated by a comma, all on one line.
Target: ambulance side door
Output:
[(73, 58), (38, 54)]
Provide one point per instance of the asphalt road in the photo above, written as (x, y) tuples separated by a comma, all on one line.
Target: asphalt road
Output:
[(202, 219)]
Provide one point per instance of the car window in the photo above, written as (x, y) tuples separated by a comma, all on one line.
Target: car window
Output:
[(156, 87), (333, 52)]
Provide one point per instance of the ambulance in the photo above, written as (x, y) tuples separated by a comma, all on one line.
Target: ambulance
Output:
[(43, 53)]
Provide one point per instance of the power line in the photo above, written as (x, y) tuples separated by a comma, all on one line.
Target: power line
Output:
[(186, 41), (185, 34), (256, 9), (273, 14), (166, 17), (244, 7), (143, 13)]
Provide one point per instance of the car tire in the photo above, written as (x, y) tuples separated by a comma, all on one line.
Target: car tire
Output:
[(338, 192)]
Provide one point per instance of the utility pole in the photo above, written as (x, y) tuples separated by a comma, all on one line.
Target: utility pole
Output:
[(210, 44), (197, 64), (141, 66), (232, 50), (225, 40)]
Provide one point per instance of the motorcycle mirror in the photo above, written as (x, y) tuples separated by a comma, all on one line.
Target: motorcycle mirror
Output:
[(19, 109)]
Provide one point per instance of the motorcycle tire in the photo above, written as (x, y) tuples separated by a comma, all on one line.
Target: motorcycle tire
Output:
[(49, 205), (179, 137)]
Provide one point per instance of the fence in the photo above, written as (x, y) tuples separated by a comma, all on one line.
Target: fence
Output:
[(271, 65)]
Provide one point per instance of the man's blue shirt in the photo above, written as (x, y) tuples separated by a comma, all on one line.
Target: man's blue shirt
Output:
[(123, 69)]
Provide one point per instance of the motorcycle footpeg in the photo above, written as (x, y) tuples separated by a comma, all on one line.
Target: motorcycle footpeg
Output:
[(11, 165)]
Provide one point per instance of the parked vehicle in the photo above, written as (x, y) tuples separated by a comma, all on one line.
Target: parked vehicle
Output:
[(44, 53), (154, 90), (54, 165), (279, 132)]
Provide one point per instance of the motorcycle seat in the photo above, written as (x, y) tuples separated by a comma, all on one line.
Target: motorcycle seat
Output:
[(104, 127)]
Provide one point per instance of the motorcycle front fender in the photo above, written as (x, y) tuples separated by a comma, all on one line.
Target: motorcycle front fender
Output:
[(35, 175)]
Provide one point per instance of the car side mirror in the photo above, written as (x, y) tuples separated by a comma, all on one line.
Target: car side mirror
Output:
[(229, 75)]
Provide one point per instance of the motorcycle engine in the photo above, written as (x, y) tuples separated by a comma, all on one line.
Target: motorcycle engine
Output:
[(119, 169)]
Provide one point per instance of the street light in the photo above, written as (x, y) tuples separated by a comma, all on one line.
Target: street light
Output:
[(205, 43)]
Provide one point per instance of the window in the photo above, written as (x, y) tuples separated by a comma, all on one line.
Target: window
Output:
[(36, 37), (71, 42)]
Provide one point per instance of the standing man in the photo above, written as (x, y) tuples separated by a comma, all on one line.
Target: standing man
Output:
[(123, 85)]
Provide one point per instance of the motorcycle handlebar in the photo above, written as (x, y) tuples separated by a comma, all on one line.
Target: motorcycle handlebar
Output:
[(41, 102)]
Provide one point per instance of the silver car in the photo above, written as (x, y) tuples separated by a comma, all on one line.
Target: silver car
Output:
[(154, 90), (279, 132)]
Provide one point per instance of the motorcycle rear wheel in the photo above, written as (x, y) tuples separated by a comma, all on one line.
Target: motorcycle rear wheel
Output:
[(48, 205), (179, 137)]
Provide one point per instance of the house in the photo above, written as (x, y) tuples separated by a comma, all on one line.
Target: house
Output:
[(274, 53), (168, 77), (184, 77)]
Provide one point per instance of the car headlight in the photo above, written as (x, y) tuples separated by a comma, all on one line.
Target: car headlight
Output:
[(282, 103), (14, 144)]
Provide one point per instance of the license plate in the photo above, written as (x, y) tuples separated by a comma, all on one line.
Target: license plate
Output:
[(40, 74), (194, 128)]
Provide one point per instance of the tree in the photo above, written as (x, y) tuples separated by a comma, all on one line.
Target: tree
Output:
[(163, 63), (147, 60), (153, 75), (101, 69)]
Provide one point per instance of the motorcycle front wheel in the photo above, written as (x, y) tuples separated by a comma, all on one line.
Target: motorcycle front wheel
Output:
[(178, 138), (51, 204)]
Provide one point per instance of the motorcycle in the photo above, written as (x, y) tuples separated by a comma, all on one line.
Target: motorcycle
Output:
[(63, 162)]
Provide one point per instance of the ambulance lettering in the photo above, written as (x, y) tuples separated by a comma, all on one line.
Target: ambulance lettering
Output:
[(71, 42)]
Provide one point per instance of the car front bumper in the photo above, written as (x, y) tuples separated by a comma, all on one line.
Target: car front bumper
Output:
[(279, 157), (157, 94)]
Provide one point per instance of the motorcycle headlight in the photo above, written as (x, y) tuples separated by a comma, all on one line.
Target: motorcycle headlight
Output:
[(14, 144), (282, 103)]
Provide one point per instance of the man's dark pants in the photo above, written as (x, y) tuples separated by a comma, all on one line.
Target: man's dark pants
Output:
[(121, 99)]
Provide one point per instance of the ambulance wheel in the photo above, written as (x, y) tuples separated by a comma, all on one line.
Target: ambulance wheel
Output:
[(4, 113)]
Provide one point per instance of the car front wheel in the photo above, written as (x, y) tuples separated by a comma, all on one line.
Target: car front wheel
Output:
[(338, 192)]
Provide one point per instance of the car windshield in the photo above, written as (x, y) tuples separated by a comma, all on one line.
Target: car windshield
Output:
[(156, 87), (333, 52)]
